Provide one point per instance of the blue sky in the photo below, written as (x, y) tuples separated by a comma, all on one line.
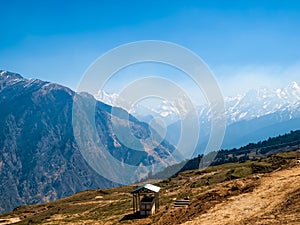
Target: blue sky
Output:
[(246, 43)]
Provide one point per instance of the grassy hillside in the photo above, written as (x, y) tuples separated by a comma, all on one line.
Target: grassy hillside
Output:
[(207, 189)]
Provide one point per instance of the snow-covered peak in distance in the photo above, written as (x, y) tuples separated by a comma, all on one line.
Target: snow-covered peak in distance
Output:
[(294, 85), (108, 98), (291, 93), (164, 109), (253, 104), (260, 102)]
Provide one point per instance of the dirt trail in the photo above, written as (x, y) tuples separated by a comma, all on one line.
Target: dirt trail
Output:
[(9, 220), (259, 206)]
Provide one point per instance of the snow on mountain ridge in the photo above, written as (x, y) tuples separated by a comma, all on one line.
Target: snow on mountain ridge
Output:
[(108, 98), (253, 104)]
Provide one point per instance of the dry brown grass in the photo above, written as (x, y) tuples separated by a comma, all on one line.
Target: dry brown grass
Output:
[(225, 193)]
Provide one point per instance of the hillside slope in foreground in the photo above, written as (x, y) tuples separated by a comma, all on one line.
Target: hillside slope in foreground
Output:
[(265, 191)]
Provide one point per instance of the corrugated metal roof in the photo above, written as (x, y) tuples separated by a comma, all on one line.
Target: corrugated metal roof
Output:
[(150, 187)]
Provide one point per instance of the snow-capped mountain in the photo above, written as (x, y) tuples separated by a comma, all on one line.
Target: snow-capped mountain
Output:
[(257, 114), (253, 104), (163, 109), (110, 99), (257, 103)]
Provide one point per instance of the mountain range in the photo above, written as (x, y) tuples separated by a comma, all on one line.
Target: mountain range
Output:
[(40, 159), (250, 117)]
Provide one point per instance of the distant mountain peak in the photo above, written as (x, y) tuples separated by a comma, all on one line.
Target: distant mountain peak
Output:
[(294, 85)]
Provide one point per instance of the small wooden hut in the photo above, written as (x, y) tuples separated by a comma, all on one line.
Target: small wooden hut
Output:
[(149, 204)]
